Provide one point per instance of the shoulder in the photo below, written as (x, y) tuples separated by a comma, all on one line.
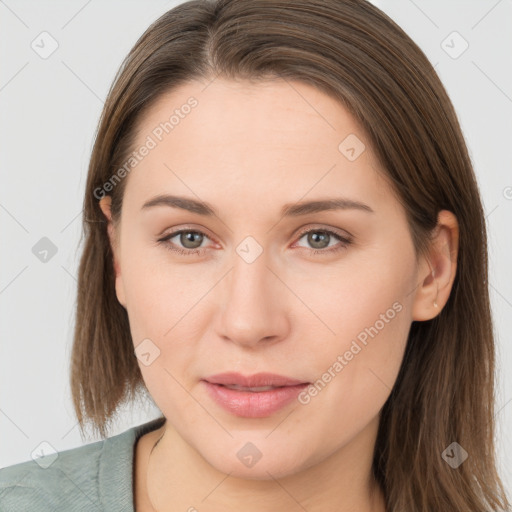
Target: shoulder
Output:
[(49, 482), (95, 477)]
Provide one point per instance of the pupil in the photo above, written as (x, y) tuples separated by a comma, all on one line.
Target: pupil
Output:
[(314, 239), (190, 236)]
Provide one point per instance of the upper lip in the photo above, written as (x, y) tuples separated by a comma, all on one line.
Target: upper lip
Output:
[(250, 381)]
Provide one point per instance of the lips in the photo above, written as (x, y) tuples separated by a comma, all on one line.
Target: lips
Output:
[(259, 380), (254, 396)]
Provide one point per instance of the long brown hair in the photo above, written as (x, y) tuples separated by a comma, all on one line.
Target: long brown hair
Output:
[(352, 51)]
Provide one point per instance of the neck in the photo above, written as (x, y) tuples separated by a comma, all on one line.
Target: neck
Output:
[(179, 478)]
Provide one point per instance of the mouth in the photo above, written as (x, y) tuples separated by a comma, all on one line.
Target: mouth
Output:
[(255, 396)]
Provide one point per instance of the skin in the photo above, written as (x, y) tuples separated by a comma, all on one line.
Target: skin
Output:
[(248, 149)]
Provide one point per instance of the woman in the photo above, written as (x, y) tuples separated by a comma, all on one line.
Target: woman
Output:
[(285, 248)]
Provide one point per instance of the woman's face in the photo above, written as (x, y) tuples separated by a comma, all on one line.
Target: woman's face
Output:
[(264, 284)]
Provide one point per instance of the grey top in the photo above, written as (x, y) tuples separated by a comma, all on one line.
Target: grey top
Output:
[(96, 477)]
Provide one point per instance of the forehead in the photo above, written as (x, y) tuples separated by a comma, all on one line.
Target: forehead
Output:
[(257, 141)]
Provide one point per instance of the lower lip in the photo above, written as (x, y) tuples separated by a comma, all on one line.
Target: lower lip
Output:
[(253, 405)]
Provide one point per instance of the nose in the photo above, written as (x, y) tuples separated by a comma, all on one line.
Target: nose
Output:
[(253, 307)]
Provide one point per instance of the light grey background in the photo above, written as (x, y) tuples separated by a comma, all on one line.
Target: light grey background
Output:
[(49, 112)]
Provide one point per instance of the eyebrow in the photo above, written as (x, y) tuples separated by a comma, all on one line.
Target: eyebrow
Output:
[(288, 210)]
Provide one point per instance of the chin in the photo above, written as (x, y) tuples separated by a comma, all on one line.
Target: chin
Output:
[(247, 462)]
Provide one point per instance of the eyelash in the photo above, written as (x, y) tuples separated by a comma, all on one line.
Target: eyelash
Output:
[(344, 241)]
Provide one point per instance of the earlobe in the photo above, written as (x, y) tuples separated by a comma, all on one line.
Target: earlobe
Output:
[(434, 280), (438, 269)]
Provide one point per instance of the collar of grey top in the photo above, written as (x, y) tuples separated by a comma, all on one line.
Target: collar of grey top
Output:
[(138, 433), (116, 470), (116, 467)]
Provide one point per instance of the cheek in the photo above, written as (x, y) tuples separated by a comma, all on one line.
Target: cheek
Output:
[(354, 376), (159, 293), (167, 320), (362, 299), (368, 314), (369, 341), (163, 309)]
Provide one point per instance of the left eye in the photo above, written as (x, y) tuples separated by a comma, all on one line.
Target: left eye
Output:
[(320, 239), (191, 241)]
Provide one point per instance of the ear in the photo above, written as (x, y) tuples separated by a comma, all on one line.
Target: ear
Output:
[(437, 271), (105, 204)]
